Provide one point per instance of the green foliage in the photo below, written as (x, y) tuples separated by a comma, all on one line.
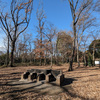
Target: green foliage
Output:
[(95, 45), (90, 59), (2, 59)]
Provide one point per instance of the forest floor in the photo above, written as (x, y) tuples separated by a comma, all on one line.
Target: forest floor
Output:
[(81, 84)]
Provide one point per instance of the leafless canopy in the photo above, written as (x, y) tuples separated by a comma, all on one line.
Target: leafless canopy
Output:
[(18, 18), (16, 21)]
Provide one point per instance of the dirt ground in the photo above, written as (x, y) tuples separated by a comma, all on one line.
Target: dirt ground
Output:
[(80, 84)]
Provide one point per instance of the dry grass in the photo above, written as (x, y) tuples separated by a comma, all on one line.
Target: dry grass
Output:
[(82, 84)]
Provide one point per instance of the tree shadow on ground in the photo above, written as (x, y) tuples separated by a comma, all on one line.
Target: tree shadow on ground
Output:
[(68, 81), (66, 87), (70, 91), (89, 68), (16, 73), (87, 76), (16, 84)]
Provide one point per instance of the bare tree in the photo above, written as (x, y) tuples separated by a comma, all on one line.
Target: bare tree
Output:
[(77, 7), (51, 32), (94, 36), (7, 46), (85, 22), (30, 47), (23, 47), (40, 28), (97, 6), (84, 47), (16, 21)]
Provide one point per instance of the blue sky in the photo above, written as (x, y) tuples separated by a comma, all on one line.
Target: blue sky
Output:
[(57, 12)]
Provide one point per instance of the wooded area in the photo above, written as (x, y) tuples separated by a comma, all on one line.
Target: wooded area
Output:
[(42, 62), (50, 46)]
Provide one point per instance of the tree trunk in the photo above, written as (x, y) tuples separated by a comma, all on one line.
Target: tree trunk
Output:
[(70, 65), (34, 60), (31, 57), (78, 54), (40, 59), (12, 54), (85, 60), (71, 60), (30, 54), (73, 48), (93, 54), (62, 59), (45, 59), (51, 60), (7, 59), (56, 62)]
